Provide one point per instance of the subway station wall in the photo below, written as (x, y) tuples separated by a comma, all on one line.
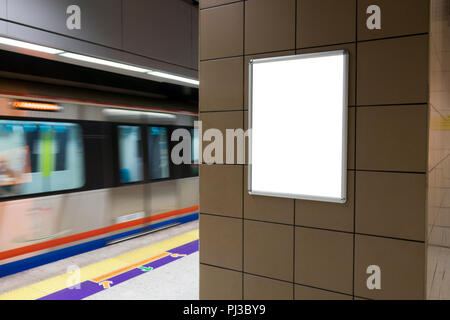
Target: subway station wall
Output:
[(255, 247), (153, 33), (438, 239)]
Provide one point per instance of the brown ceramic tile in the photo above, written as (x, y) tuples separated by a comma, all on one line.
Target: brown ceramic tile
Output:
[(325, 22), (259, 288), (222, 84), (351, 138), (246, 140), (221, 190), (391, 204), (398, 18), (393, 71), (392, 138), (221, 241), (222, 31), (211, 3), (269, 209), (268, 249), (324, 259), (223, 121), (259, 56), (402, 265), (351, 48), (307, 293), (327, 215), (220, 284), (269, 25)]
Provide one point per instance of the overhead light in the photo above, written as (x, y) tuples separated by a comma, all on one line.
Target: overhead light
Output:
[(173, 77), (157, 115), (103, 62), (134, 113), (36, 106), (30, 46), (109, 63)]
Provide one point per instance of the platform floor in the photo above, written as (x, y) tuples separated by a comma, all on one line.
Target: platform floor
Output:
[(162, 265)]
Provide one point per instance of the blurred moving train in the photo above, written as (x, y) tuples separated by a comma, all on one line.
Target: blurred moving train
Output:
[(78, 176)]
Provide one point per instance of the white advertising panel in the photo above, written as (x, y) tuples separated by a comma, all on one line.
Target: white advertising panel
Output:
[(298, 109)]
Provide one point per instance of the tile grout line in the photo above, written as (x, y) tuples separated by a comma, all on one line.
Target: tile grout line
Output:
[(220, 5), (355, 146), (275, 279), (313, 228), (320, 46), (294, 228)]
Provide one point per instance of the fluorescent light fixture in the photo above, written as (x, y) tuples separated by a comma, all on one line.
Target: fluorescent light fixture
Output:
[(108, 63), (84, 58), (29, 46), (298, 115), (137, 114), (174, 77)]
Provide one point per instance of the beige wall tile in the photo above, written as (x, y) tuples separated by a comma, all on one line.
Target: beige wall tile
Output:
[(393, 71), (221, 190), (326, 215), (259, 288), (324, 259), (268, 249), (325, 22), (391, 204), (392, 138), (222, 84), (221, 241), (351, 138), (402, 265), (269, 25), (246, 140), (308, 293), (218, 41), (398, 18), (220, 284)]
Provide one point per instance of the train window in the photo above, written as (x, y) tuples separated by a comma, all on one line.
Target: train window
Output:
[(130, 154), (158, 153), (37, 157)]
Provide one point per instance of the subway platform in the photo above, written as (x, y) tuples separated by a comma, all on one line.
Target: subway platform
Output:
[(159, 266)]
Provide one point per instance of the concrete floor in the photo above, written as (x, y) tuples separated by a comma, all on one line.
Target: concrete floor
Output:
[(186, 273)]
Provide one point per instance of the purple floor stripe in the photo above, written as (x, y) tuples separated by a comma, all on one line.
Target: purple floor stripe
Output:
[(88, 288)]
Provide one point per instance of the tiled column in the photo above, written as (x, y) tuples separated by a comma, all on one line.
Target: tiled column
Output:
[(221, 186), (254, 247)]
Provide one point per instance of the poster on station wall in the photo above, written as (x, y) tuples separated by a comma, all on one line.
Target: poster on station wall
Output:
[(298, 108)]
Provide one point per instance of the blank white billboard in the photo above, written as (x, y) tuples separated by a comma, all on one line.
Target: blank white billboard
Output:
[(298, 109)]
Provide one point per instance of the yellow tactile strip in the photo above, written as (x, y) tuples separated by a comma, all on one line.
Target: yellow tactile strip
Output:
[(46, 287)]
